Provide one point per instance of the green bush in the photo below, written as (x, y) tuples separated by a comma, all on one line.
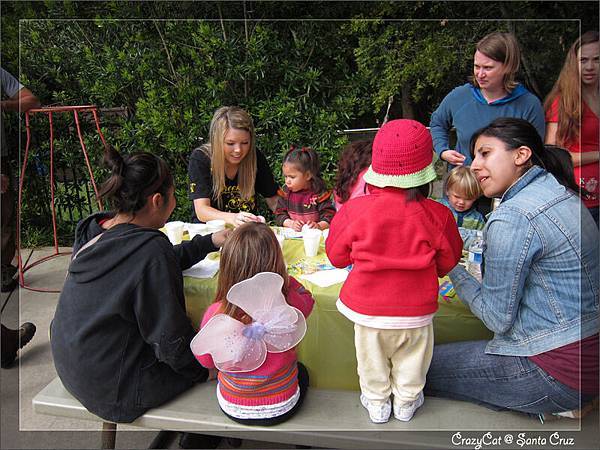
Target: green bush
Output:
[(301, 80)]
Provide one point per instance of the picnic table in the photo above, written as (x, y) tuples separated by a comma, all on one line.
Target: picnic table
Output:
[(327, 349)]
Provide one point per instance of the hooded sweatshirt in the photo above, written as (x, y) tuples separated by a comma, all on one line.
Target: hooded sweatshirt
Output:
[(465, 109), (120, 334)]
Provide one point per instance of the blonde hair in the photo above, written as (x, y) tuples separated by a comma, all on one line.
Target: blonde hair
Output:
[(504, 48), (251, 248), (464, 182), (567, 88), (224, 119)]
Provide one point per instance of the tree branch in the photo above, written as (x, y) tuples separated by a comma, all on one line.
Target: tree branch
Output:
[(246, 56), (221, 20), (524, 59), (308, 57), (166, 51)]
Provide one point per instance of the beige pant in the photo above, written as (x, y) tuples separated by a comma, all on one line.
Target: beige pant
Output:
[(393, 361)]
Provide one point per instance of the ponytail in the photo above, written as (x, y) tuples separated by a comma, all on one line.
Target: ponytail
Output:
[(114, 161), (133, 179), (559, 163), (515, 133)]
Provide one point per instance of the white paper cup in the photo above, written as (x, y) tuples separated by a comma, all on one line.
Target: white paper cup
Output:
[(280, 239), (175, 232), (215, 225), (325, 235), (311, 238), (195, 229)]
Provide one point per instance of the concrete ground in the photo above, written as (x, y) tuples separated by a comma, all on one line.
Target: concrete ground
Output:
[(21, 427)]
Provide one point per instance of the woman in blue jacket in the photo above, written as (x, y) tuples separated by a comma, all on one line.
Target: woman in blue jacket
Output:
[(493, 93), (539, 293)]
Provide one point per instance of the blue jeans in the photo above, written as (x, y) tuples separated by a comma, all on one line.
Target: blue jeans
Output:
[(463, 371)]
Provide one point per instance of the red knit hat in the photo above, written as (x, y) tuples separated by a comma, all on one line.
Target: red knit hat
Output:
[(402, 155)]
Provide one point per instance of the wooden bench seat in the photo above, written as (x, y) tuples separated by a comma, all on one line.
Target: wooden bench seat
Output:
[(328, 418)]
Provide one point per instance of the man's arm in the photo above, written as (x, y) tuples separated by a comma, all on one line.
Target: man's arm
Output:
[(24, 98)]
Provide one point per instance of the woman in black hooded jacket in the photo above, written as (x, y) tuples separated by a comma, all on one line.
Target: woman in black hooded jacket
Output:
[(120, 334)]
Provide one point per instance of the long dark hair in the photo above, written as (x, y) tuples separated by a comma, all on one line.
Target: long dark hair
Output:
[(515, 133), (355, 157), (306, 160), (133, 179)]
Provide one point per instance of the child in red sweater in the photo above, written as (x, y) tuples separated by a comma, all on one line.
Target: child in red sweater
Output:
[(250, 332), (399, 242), (305, 199)]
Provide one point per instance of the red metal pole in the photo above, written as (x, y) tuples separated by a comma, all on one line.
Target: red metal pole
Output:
[(87, 160), (21, 178), (94, 112), (52, 182)]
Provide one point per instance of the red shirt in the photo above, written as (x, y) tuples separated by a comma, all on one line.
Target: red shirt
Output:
[(587, 175), (575, 364), (399, 248)]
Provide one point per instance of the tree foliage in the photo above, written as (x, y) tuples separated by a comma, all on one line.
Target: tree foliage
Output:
[(304, 70)]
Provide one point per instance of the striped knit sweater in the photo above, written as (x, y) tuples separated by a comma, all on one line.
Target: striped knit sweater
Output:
[(276, 381), (304, 206)]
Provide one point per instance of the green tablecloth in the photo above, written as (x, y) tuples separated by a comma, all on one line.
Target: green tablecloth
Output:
[(327, 350)]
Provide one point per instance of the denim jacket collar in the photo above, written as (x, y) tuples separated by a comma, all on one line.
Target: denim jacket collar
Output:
[(523, 181)]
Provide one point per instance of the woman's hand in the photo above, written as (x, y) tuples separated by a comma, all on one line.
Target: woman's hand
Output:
[(295, 225), (453, 157), (219, 238), (243, 217)]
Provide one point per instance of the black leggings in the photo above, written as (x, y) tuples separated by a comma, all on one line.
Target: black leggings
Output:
[(302, 383)]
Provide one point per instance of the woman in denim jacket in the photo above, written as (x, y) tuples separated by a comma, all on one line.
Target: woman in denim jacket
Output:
[(539, 293)]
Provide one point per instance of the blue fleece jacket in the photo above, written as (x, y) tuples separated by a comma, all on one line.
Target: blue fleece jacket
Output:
[(465, 109)]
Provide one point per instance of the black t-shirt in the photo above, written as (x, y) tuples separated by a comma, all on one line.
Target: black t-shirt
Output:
[(200, 176)]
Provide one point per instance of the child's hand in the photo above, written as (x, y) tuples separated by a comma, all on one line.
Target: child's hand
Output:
[(295, 225), (312, 224), (219, 238)]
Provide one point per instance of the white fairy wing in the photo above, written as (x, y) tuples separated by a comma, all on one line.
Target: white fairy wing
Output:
[(278, 341), (260, 293), (262, 299), (231, 351)]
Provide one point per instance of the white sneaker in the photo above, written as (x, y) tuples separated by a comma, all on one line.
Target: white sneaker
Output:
[(377, 413), (405, 413)]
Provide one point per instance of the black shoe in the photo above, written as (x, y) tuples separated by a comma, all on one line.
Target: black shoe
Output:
[(20, 338), (26, 332), (198, 441)]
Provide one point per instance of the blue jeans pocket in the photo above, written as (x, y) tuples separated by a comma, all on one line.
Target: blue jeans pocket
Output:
[(544, 404)]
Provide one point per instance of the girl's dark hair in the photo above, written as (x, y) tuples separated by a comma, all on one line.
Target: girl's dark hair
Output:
[(418, 193), (355, 157), (515, 133), (133, 179), (306, 160)]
